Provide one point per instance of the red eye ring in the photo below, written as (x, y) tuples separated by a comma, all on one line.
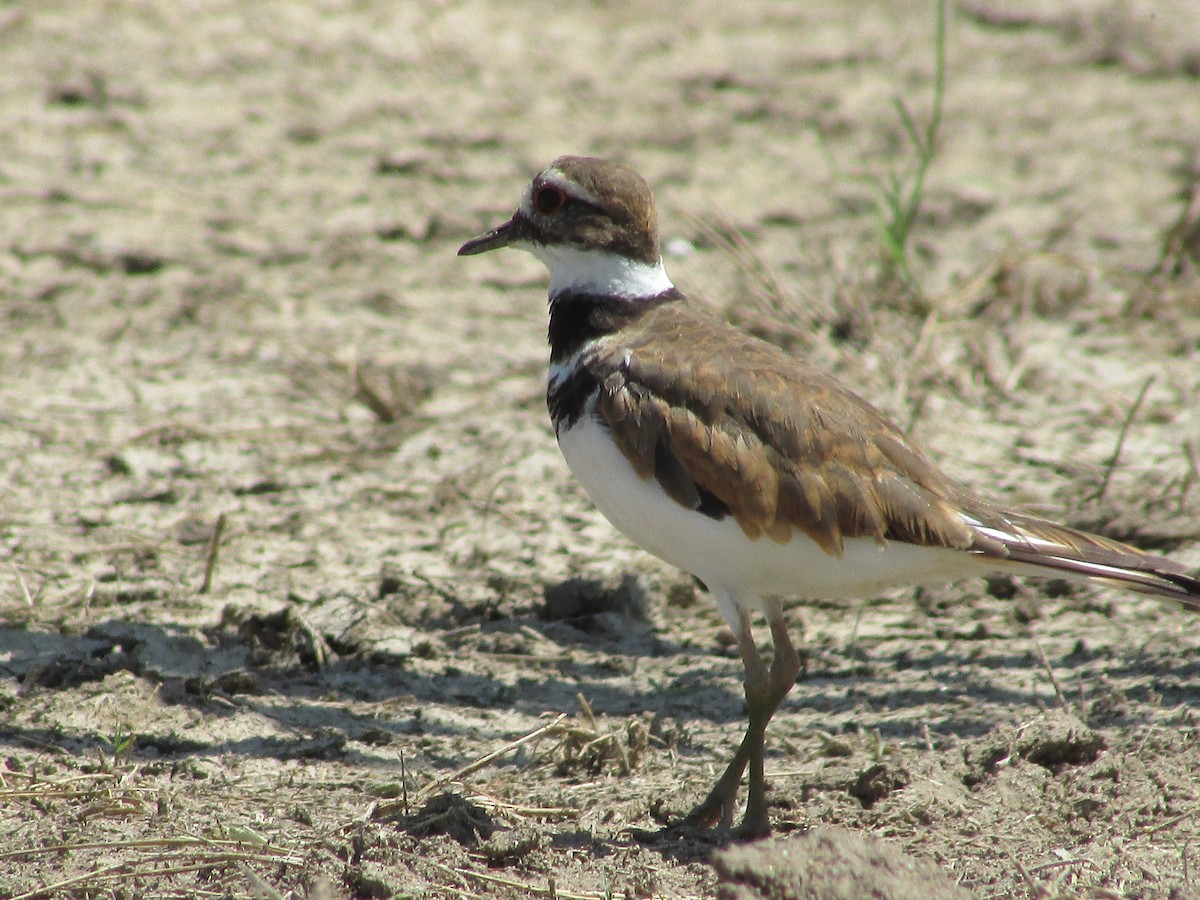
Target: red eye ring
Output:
[(549, 199)]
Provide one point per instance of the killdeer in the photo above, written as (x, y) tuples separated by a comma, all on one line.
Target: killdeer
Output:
[(733, 460)]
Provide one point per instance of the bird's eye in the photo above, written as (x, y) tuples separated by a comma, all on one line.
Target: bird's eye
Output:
[(549, 199)]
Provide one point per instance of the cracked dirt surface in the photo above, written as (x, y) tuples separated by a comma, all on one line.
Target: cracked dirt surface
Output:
[(229, 291)]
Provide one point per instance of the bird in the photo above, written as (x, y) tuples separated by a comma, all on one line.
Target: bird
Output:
[(746, 466)]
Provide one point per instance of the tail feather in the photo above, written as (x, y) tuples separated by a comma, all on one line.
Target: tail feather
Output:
[(1046, 546)]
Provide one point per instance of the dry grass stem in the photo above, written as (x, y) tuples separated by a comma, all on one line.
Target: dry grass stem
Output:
[(210, 555), (1116, 454)]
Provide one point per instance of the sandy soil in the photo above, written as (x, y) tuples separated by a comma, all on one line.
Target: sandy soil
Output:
[(229, 293)]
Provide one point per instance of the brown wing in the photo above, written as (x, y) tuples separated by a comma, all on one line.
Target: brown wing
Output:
[(729, 424), (711, 412)]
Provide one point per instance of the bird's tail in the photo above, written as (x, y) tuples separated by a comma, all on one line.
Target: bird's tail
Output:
[(1038, 546)]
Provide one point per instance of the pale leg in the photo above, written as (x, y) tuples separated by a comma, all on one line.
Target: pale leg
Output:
[(765, 690)]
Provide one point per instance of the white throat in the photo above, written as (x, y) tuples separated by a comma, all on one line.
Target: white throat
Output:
[(576, 270)]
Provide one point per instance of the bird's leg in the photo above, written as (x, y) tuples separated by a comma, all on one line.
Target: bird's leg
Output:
[(765, 689), (717, 807), (785, 666)]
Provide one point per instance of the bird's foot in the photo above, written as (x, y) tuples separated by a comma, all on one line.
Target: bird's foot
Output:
[(756, 823)]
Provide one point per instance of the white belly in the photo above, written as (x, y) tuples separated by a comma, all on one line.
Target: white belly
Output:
[(723, 557)]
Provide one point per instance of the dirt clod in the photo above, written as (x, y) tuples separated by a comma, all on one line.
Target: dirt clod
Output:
[(452, 814), (877, 782), (508, 846), (829, 864)]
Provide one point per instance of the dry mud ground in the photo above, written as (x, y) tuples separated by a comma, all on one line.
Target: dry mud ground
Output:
[(229, 290)]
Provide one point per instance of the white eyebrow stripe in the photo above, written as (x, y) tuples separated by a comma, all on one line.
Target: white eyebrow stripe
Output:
[(573, 188), (560, 181)]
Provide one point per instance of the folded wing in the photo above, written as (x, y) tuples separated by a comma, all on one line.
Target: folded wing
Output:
[(751, 432)]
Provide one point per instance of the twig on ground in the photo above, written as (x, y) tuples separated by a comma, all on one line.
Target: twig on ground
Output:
[(404, 784), (24, 586), (150, 866), (1163, 826), (428, 791), (550, 890)]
